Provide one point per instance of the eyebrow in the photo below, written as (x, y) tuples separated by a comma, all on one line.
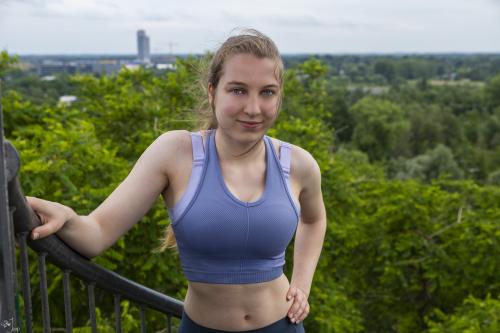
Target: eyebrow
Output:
[(238, 83)]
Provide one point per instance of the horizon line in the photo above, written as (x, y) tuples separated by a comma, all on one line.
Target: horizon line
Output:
[(368, 53)]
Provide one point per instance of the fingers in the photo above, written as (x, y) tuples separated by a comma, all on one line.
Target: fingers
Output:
[(35, 203), (45, 230), (299, 311), (49, 214), (39, 206), (48, 227), (302, 313), (300, 306)]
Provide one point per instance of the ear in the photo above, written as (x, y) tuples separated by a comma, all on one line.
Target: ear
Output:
[(211, 93)]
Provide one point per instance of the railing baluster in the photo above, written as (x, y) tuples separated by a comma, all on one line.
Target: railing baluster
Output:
[(143, 319), (13, 265), (28, 312), (118, 316), (169, 323), (93, 324), (67, 302), (44, 292)]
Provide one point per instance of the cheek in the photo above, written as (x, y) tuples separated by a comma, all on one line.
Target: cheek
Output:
[(227, 107), (272, 108)]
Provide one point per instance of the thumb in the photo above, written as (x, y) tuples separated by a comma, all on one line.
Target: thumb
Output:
[(47, 227), (291, 293), (41, 231)]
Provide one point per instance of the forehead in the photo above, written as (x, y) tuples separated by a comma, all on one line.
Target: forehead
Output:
[(249, 69)]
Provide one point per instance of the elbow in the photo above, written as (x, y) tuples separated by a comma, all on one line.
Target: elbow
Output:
[(94, 243), (92, 255), (88, 253)]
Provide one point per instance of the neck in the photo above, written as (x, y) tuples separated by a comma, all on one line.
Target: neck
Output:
[(228, 149)]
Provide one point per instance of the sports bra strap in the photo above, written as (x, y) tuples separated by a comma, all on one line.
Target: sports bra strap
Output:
[(198, 149), (285, 157)]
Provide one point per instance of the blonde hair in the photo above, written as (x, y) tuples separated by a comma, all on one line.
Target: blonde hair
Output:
[(247, 41)]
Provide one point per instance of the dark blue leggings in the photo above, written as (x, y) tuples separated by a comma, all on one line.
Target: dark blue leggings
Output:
[(281, 326)]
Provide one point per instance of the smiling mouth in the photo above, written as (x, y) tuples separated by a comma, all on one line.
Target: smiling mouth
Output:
[(250, 122)]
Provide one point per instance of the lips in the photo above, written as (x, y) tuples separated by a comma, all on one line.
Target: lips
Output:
[(249, 124)]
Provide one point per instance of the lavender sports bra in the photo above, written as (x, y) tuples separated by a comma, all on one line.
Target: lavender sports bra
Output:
[(222, 239)]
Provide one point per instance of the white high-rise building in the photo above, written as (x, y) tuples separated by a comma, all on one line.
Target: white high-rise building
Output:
[(143, 46)]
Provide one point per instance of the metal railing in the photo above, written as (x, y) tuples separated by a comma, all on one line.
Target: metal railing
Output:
[(17, 220)]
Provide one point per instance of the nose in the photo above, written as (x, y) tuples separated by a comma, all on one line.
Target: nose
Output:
[(252, 106)]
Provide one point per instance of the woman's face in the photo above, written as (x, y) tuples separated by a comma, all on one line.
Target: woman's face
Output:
[(246, 98)]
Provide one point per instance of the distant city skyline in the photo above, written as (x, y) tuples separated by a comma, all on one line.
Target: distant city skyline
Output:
[(297, 26)]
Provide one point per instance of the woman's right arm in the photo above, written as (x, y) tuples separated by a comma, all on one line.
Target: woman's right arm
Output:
[(130, 201)]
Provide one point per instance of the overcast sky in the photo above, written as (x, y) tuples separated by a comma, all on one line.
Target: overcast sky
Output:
[(195, 26)]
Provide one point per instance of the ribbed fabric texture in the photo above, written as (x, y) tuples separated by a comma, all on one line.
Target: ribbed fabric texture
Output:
[(222, 239)]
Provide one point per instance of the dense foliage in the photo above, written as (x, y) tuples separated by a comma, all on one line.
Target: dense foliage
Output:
[(388, 68), (410, 182)]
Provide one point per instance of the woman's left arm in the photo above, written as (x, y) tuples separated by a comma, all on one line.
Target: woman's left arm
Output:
[(310, 232)]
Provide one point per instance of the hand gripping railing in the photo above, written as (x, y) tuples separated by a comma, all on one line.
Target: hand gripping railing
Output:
[(69, 261)]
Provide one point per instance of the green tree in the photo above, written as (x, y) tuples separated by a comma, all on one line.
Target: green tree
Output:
[(426, 128), (494, 178), (6, 63), (341, 119), (435, 163), (492, 91), (387, 69), (134, 107), (473, 316), (381, 129)]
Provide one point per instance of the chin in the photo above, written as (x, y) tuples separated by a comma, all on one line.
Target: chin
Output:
[(249, 136), (244, 135)]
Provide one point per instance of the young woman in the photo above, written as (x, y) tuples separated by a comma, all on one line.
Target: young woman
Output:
[(236, 197)]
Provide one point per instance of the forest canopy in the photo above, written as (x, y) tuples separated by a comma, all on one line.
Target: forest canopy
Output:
[(410, 161)]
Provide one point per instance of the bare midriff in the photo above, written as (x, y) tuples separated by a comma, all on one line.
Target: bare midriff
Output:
[(237, 307)]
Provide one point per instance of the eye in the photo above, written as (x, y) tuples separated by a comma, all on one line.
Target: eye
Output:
[(268, 92), (237, 91)]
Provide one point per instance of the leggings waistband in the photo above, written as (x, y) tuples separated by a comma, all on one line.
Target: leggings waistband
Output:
[(283, 325)]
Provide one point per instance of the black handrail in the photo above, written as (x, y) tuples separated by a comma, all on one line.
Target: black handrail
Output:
[(67, 259)]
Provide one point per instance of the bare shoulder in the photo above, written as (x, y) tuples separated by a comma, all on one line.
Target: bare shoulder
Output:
[(303, 163), (172, 141), (304, 167), (169, 148)]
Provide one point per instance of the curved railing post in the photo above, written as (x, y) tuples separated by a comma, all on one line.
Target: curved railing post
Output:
[(8, 316)]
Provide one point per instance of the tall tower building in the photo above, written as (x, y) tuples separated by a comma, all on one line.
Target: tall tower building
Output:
[(143, 46)]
